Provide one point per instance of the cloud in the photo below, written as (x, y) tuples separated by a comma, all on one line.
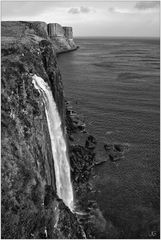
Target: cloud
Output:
[(147, 5), (140, 7), (120, 10), (85, 9), (73, 11), (78, 10), (14, 9)]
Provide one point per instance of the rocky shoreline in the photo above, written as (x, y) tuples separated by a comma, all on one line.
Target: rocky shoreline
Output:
[(84, 158)]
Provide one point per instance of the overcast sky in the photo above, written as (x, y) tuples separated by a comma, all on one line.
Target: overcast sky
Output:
[(91, 18)]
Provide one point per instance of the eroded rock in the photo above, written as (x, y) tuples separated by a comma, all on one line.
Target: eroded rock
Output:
[(115, 151)]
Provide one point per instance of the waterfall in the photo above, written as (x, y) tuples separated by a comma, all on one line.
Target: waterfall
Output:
[(58, 144)]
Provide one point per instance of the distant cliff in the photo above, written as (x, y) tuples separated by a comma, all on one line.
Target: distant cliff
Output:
[(62, 37), (30, 205)]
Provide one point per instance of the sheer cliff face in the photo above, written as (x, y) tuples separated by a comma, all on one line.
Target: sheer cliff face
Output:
[(30, 207), (62, 37), (68, 32)]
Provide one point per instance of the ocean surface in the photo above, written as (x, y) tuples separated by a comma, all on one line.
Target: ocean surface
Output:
[(114, 84)]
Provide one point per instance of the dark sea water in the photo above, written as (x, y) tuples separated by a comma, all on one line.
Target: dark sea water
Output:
[(116, 84)]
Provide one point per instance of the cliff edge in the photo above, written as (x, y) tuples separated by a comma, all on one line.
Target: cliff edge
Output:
[(30, 205)]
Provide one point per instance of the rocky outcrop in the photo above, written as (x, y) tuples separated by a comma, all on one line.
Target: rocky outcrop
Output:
[(55, 30), (68, 32), (61, 37), (116, 151), (30, 206), (90, 143)]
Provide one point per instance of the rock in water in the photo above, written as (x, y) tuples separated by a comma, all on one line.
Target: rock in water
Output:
[(115, 152), (90, 142)]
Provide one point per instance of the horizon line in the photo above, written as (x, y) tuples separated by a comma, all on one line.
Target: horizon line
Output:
[(104, 36)]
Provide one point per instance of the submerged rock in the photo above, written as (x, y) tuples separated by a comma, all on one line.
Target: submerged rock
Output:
[(121, 147), (115, 156), (115, 152)]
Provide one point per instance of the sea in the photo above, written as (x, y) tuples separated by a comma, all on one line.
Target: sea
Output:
[(114, 85)]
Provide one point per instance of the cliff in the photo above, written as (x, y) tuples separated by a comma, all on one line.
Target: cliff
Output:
[(62, 37), (30, 205)]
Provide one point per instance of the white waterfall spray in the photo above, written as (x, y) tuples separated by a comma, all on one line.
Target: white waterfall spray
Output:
[(59, 149)]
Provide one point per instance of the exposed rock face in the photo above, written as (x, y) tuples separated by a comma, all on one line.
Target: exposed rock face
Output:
[(62, 37), (68, 32), (30, 206), (55, 30)]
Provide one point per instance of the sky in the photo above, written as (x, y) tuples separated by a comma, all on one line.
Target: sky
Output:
[(91, 17)]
